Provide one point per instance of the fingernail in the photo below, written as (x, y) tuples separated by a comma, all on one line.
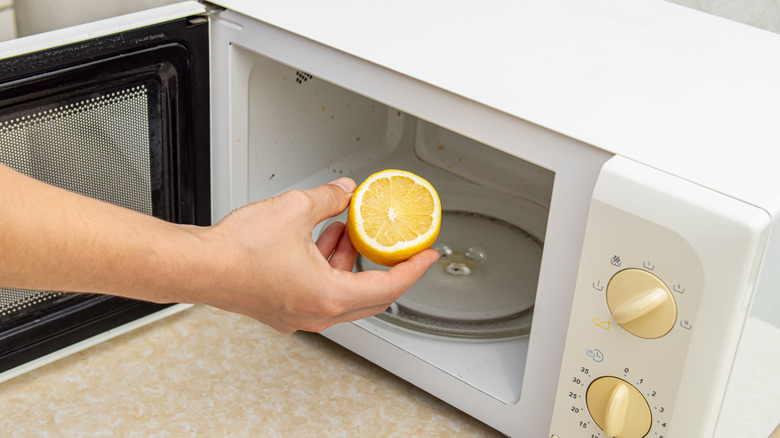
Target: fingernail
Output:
[(345, 183)]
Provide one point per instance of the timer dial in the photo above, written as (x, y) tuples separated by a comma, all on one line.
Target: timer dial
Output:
[(618, 408), (641, 303)]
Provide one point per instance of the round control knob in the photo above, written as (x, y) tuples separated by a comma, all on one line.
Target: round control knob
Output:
[(641, 303), (618, 408)]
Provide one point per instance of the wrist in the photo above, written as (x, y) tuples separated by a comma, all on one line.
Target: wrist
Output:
[(200, 264)]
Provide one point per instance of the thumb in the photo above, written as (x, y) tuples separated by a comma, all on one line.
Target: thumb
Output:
[(331, 199)]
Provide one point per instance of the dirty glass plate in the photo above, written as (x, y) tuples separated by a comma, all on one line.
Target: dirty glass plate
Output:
[(483, 286)]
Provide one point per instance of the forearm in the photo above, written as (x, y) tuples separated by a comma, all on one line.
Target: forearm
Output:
[(57, 240), (259, 261)]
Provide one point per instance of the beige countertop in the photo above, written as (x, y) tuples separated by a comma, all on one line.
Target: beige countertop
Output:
[(205, 372)]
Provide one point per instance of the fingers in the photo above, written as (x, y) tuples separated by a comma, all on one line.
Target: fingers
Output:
[(379, 289), (362, 295), (345, 254), (368, 288), (329, 238), (334, 245), (406, 274), (331, 199)]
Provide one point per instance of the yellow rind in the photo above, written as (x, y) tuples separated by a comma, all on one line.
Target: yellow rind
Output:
[(374, 252)]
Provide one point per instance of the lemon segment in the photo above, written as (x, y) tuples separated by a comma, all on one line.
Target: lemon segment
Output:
[(393, 215)]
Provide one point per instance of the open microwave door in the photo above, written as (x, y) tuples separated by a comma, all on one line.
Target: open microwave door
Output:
[(116, 110)]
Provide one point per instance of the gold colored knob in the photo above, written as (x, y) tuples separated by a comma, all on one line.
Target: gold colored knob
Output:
[(641, 303), (618, 408)]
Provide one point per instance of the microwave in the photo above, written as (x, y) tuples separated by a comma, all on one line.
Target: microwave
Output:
[(610, 259)]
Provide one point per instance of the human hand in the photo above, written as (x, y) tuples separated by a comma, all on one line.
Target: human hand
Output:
[(269, 268), (259, 261)]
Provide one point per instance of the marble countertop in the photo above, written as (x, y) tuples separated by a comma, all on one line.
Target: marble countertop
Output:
[(206, 372)]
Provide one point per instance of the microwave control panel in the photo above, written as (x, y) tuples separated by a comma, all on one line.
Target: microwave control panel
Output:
[(638, 332)]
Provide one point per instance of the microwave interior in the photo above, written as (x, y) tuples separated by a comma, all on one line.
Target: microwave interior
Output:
[(471, 315)]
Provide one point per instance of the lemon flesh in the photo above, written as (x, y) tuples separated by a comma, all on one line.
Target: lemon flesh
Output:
[(393, 215)]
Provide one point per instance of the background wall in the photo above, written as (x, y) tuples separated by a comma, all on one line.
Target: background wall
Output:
[(7, 20), (764, 14), (35, 16)]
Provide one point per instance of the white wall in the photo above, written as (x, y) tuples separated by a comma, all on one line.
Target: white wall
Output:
[(764, 14), (7, 20), (36, 16)]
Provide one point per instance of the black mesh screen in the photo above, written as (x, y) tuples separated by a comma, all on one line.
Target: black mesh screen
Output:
[(95, 145)]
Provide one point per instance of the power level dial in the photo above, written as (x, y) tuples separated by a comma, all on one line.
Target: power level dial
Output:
[(641, 303), (618, 408)]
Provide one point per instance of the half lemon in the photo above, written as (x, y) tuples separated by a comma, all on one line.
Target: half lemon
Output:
[(393, 215)]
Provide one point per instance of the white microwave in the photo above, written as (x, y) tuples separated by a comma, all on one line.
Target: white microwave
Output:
[(608, 174)]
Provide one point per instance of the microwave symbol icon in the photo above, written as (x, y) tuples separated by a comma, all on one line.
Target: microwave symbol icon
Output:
[(595, 354), (615, 260)]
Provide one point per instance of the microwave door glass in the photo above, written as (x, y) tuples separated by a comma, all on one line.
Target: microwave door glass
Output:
[(115, 119)]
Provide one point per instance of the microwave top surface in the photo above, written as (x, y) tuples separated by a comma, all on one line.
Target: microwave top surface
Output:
[(679, 90), (674, 88)]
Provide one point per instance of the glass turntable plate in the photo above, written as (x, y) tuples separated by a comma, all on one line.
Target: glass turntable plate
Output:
[(483, 286)]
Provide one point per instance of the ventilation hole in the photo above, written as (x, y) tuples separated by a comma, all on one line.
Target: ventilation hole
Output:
[(302, 77)]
